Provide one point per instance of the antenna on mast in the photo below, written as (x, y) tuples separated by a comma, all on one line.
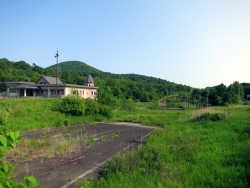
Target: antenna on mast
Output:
[(56, 56)]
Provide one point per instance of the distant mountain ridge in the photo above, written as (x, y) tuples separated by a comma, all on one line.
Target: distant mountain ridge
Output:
[(76, 66)]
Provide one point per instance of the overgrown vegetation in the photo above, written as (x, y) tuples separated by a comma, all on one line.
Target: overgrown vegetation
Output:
[(39, 148), (47, 112), (71, 105), (8, 140), (114, 87), (107, 137), (203, 153), (211, 117), (194, 149)]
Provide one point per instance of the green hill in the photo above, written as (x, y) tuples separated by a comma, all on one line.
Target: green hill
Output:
[(76, 66)]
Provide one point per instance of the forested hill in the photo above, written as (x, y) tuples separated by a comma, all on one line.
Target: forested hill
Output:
[(134, 86), (116, 87), (79, 67), (111, 86)]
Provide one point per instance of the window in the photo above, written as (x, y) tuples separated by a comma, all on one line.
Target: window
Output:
[(12, 90), (42, 82)]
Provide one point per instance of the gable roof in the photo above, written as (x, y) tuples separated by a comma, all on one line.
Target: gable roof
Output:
[(89, 79), (50, 80)]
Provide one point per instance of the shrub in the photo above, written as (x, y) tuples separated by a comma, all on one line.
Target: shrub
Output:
[(106, 111), (66, 122), (72, 106), (128, 105), (210, 117), (91, 107)]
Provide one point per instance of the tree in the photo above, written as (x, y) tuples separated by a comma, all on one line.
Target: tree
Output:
[(3, 85), (227, 98), (238, 89), (36, 68)]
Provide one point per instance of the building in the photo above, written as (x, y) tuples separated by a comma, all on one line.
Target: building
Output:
[(248, 96), (51, 87)]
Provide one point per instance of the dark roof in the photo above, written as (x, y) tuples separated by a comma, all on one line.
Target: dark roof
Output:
[(89, 79), (52, 80), (26, 86)]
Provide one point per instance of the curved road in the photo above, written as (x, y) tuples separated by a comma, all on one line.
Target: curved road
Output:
[(53, 173)]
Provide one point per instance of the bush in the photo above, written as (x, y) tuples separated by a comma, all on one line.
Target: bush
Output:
[(72, 106), (128, 105), (210, 117), (247, 103), (66, 122), (91, 107), (106, 111)]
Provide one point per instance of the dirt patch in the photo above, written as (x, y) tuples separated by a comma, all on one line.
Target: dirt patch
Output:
[(199, 112)]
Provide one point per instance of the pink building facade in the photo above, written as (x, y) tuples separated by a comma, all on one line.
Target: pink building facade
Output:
[(51, 87)]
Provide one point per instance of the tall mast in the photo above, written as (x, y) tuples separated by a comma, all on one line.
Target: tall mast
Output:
[(56, 56)]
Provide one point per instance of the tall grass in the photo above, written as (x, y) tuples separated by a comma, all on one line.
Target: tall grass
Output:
[(186, 154), (149, 117), (28, 114), (39, 148)]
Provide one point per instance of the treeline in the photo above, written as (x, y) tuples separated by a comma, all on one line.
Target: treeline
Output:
[(235, 93), (20, 71), (119, 87), (112, 87)]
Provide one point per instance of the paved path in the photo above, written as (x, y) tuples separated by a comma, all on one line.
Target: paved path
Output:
[(90, 159)]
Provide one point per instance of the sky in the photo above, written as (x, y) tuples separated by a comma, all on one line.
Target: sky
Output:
[(199, 43)]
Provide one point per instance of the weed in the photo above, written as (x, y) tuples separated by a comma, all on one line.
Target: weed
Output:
[(65, 131), (135, 140), (117, 132), (28, 149), (91, 140), (44, 134), (93, 124), (104, 137)]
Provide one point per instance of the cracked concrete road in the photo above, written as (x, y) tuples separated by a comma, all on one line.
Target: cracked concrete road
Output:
[(53, 172)]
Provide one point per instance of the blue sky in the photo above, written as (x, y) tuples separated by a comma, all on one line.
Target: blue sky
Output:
[(198, 43)]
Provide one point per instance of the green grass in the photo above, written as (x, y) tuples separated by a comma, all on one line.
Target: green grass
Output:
[(30, 114), (39, 148), (186, 154), (150, 117)]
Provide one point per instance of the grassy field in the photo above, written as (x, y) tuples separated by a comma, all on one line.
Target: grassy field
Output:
[(30, 114), (184, 153)]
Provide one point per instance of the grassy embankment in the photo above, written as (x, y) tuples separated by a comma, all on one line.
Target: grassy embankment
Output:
[(30, 114)]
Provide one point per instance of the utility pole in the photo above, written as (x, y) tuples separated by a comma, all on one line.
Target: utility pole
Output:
[(207, 97), (56, 56)]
